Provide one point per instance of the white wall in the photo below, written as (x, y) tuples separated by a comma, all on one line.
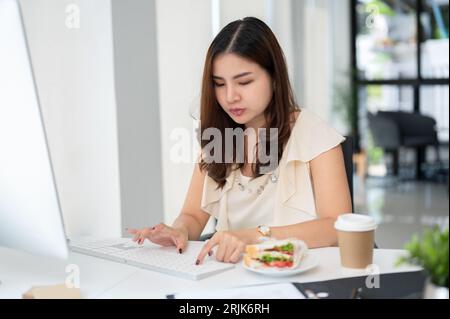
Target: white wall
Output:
[(282, 25), (75, 79), (340, 34), (184, 34), (321, 31), (231, 10), (138, 120), (317, 57)]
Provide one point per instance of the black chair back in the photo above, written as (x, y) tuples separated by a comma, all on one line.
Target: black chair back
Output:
[(347, 150)]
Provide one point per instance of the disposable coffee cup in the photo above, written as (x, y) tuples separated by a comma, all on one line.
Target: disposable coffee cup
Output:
[(356, 235)]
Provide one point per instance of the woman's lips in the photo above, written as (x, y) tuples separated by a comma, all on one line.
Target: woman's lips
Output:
[(237, 112)]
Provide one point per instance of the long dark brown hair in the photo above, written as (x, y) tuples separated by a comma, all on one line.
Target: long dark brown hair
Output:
[(253, 40)]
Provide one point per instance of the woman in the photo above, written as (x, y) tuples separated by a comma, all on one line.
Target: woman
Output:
[(246, 85)]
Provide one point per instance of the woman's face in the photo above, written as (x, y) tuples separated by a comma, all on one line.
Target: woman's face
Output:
[(243, 89)]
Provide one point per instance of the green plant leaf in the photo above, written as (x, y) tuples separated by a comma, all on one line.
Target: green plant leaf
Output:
[(431, 253)]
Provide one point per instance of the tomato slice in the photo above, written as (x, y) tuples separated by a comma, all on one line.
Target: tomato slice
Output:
[(281, 264)]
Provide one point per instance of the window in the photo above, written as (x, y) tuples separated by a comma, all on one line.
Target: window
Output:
[(434, 39), (401, 57), (386, 40)]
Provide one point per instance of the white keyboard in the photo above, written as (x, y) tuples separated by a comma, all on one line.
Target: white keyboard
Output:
[(161, 259)]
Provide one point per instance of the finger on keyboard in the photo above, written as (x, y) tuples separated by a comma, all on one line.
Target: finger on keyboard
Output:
[(206, 249)]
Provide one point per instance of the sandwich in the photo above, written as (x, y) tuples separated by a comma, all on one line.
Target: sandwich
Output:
[(275, 254)]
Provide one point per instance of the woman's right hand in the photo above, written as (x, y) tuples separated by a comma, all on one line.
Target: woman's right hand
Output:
[(163, 235)]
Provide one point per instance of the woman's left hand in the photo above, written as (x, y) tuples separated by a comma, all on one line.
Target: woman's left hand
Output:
[(229, 250)]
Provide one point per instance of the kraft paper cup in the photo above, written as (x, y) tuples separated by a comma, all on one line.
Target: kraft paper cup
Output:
[(356, 240)]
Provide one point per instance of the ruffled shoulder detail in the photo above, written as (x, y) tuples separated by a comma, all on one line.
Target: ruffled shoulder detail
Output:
[(310, 137)]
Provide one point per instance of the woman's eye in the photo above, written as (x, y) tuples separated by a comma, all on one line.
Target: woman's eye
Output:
[(222, 84)]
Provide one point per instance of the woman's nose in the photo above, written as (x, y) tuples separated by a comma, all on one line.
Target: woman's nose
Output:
[(232, 94)]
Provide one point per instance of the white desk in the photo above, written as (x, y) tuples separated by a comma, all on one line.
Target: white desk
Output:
[(107, 279)]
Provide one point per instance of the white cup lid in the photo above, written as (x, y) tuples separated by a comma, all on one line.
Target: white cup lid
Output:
[(355, 223)]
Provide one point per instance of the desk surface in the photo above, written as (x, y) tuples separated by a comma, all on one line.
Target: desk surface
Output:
[(101, 278)]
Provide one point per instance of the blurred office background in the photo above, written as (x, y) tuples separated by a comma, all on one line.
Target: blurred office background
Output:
[(119, 84)]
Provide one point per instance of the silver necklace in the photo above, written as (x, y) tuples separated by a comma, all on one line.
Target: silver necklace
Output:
[(270, 178)]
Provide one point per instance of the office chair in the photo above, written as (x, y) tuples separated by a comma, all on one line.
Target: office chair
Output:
[(392, 130), (347, 150)]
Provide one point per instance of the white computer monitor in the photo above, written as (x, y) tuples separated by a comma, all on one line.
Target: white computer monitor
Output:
[(30, 214)]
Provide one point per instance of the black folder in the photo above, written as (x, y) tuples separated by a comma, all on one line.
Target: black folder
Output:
[(403, 285)]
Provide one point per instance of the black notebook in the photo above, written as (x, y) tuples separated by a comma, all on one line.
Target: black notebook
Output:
[(404, 285)]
